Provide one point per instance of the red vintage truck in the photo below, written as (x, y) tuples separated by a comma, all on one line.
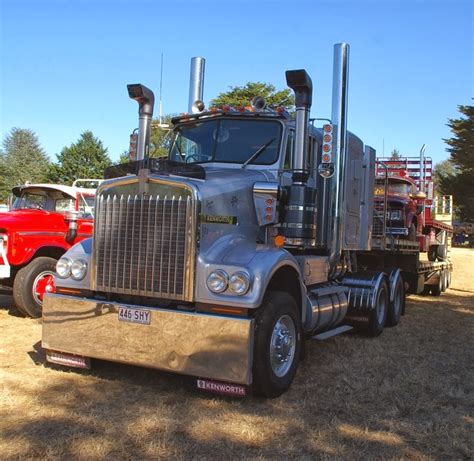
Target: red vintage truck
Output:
[(405, 191), (44, 222)]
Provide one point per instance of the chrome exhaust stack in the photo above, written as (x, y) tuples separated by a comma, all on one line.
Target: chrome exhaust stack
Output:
[(337, 186), (196, 85), (146, 100)]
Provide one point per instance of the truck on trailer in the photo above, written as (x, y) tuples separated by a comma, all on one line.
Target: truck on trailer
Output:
[(44, 222), (219, 261)]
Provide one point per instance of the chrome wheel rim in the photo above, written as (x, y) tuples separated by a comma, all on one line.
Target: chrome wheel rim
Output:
[(282, 345), (39, 286), (381, 307)]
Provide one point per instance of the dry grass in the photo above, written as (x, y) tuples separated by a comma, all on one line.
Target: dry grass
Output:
[(407, 394)]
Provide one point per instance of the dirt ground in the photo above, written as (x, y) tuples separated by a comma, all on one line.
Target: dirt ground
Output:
[(407, 394)]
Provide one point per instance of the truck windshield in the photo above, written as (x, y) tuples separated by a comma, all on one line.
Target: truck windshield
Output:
[(226, 141), (29, 200), (393, 188)]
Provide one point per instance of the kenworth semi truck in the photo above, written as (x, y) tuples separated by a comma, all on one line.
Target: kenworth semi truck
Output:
[(219, 261)]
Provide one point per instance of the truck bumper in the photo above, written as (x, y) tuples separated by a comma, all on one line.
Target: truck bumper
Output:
[(201, 345), (397, 231)]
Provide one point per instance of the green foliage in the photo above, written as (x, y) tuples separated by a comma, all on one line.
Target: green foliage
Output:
[(395, 155), (22, 159), (87, 158), (442, 172), (160, 137), (461, 148), (242, 95)]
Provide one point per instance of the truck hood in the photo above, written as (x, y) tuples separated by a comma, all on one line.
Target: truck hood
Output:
[(227, 205), (15, 220)]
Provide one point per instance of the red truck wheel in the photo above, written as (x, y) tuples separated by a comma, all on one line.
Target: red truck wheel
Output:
[(31, 283)]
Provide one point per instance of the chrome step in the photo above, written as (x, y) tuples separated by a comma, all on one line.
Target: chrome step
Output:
[(330, 333)]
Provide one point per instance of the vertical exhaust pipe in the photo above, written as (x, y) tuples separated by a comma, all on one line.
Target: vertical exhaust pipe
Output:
[(300, 82), (337, 187), (146, 100), (298, 207), (196, 82)]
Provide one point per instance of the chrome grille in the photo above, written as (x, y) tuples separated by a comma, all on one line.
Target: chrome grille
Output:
[(144, 245)]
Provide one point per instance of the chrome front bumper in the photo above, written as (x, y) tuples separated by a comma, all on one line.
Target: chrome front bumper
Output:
[(201, 345), (397, 231)]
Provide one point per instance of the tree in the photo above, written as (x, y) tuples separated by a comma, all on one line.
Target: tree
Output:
[(160, 137), (87, 158), (395, 155), (242, 95), (442, 172), (461, 149), (22, 159)]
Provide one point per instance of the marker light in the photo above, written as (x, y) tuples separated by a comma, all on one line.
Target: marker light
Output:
[(279, 241)]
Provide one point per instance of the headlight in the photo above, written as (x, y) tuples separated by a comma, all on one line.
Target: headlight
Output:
[(396, 215), (63, 267), (239, 283), (217, 281), (78, 269)]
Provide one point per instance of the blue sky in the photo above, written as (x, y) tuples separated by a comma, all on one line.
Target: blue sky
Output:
[(65, 64)]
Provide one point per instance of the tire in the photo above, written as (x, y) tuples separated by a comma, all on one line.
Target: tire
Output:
[(432, 252), (277, 324), (443, 281), (412, 233), (397, 306), (441, 252), (436, 289), (29, 285), (378, 317)]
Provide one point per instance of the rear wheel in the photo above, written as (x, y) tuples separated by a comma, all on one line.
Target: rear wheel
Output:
[(396, 307), (277, 345), (378, 316), (436, 289), (31, 283)]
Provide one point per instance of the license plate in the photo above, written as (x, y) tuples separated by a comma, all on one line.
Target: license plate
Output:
[(127, 314)]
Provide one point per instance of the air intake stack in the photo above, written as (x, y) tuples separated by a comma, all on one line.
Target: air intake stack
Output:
[(299, 209), (146, 100)]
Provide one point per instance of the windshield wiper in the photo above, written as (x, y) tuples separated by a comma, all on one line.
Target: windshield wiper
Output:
[(257, 152)]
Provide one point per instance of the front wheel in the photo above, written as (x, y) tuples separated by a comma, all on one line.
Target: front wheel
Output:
[(277, 344), (31, 283)]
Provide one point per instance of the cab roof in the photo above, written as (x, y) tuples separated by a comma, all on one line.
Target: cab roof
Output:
[(68, 191)]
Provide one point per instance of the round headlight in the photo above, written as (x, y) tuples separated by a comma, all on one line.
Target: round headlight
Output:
[(78, 269), (217, 281), (63, 267), (239, 283)]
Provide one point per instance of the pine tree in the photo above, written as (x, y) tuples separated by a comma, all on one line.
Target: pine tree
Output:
[(461, 148), (395, 155), (22, 159), (86, 158)]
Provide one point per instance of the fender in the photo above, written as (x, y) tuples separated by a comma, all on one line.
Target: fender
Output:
[(237, 253)]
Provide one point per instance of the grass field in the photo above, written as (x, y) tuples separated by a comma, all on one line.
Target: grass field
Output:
[(407, 394)]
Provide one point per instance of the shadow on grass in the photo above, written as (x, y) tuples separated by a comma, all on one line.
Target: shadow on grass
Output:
[(403, 395), (7, 303)]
